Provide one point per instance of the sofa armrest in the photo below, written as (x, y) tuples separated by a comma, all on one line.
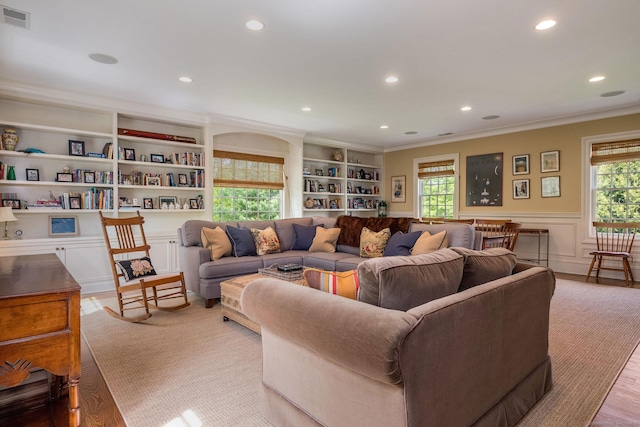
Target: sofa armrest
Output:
[(190, 258), (358, 336)]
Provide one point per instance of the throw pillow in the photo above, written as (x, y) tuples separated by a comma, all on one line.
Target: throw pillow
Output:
[(242, 242), (401, 243), (325, 240), (484, 266), (372, 243), (136, 268), (217, 241), (427, 243), (304, 235), (343, 283), (266, 241)]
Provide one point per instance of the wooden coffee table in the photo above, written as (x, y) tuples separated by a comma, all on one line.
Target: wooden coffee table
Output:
[(230, 291)]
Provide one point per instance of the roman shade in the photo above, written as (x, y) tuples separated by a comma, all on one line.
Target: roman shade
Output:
[(431, 169), (617, 151), (243, 170)]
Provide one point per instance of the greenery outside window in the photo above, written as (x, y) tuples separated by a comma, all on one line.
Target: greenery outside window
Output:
[(616, 181), (437, 187), (247, 186)]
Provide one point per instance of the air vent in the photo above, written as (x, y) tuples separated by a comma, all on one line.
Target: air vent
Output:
[(16, 17)]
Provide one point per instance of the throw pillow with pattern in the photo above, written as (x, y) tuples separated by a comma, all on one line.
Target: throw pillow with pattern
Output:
[(266, 241), (136, 268), (372, 243)]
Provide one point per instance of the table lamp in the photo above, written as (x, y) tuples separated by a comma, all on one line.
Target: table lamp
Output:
[(6, 215)]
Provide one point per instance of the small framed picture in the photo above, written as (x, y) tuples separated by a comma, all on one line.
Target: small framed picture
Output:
[(551, 186), (167, 200), (33, 174), (332, 188), (11, 203), (193, 203), (157, 158), (520, 188), (550, 161), (147, 203), (62, 226), (319, 172), (182, 179), (129, 154), (152, 180), (64, 177), (74, 203), (76, 148), (398, 189), (521, 164), (89, 177)]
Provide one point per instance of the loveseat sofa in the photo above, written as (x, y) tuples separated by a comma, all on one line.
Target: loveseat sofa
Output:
[(203, 275), (477, 356)]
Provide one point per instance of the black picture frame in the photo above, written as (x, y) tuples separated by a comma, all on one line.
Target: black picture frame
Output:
[(484, 180), (33, 174), (153, 181), (74, 203), (147, 203), (157, 158), (64, 177), (76, 148), (182, 179), (12, 203), (89, 177), (130, 154), (193, 204)]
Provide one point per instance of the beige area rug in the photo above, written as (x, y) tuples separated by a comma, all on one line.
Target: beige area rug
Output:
[(188, 368)]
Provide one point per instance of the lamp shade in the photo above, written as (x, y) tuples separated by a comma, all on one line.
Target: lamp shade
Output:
[(6, 214)]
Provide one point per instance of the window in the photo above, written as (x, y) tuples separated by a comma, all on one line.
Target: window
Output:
[(437, 187), (615, 181), (247, 186)]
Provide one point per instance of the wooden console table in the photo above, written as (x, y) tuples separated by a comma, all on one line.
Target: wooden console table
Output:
[(40, 323)]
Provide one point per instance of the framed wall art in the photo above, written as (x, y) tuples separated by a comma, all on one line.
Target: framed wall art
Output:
[(399, 189), (76, 148), (551, 186), (33, 174), (484, 180), (550, 161), (62, 226), (521, 164), (520, 188)]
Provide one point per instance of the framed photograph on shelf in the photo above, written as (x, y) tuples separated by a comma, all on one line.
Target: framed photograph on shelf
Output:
[(168, 200), (129, 154), (193, 203), (11, 203), (76, 148), (64, 177), (520, 188), (157, 158), (521, 164), (147, 203), (319, 172), (74, 203), (182, 180), (33, 174), (89, 177), (62, 226), (398, 189), (152, 180), (550, 161), (551, 186)]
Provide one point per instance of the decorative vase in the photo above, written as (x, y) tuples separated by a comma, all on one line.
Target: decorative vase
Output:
[(11, 174), (9, 139)]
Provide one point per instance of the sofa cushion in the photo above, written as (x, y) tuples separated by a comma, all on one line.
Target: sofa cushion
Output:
[(324, 260), (343, 283), (325, 240), (259, 224), (191, 230), (401, 243), (217, 241), (133, 269), (459, 234), (429, 243), (350, 263), (242, 242), (303, 236), (286, 233), (266, 241), (404, 282), (230, 266), (484, 266), (373, 243)]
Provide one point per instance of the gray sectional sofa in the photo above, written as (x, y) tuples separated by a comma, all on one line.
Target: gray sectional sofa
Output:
[(203, 276), (448, 338)]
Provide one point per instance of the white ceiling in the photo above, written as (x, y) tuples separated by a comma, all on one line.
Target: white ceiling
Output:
[(333, 56)]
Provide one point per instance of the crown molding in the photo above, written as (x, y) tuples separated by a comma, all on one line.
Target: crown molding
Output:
[(341, 144), (253, 125)]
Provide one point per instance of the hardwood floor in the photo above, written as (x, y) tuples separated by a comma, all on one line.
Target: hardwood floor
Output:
[(621, 407)]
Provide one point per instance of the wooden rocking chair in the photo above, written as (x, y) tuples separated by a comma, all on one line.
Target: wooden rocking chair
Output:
[(132, 294)]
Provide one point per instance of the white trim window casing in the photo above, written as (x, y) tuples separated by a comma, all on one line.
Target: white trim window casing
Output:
[(442, 200), (244, 204)]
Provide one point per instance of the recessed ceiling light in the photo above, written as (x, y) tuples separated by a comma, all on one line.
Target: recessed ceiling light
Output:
[(306, 108), (384, 127), (465, 108), (254, 25), (411, 132), (492, 117), (545, 25), (391, 79), (185, 79), (103, 59), (612, 93), (596, 79)]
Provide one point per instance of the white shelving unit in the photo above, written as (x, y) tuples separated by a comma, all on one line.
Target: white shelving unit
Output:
[(339, 183)]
